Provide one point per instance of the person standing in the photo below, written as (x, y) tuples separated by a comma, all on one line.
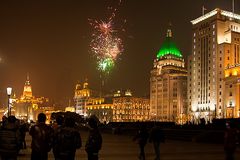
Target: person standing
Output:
[(41, 139), (230, 140), (9, 139), (23, 129), (4, 120), (56, 127), (94, 141), (66, 140), (156, 137), (141, 138)]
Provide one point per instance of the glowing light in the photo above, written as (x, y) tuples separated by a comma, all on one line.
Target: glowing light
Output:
[(106, 44), (235, 72), (169, 47), (227, 74), (194, 108)]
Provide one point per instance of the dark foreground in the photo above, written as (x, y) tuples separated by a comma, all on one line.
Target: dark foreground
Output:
[(117, 147)]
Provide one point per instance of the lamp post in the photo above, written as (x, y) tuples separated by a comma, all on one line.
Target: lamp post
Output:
[(9, 92)]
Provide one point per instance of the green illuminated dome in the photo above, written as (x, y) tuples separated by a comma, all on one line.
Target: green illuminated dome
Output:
[(168, 47)]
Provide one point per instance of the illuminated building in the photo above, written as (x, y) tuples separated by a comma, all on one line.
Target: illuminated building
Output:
[(100, 107), (87, 103), (127, 108), (168, 84), (213, 85), (70, 108), (81, 97), (27, 106)]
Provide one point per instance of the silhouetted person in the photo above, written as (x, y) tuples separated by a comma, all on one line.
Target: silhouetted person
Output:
[(66, 140), (94, 141), (56, 127), (141, 138), (23, 129), (9, 139), (230, 141), (59, 122), (156, 137), (41, 139), (4, 119)]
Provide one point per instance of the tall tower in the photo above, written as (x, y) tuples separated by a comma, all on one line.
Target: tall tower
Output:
[(168, 83), (213, 71), (27, 90)]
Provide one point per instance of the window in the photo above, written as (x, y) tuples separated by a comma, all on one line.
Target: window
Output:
[(230, 86), (230, 94)]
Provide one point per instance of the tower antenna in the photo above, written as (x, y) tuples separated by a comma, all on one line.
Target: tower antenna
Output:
[(203, 10), (233, 6)]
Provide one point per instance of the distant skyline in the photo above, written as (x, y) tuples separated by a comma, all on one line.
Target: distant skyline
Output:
[(50, 41)]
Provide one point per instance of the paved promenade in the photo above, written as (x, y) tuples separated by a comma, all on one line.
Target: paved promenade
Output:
[(116, 147)]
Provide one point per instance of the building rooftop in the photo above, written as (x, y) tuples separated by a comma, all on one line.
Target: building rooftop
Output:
[(169, 47), (214, 12)]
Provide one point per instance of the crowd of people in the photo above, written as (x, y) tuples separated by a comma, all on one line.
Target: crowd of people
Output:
[(156, 136), (63, 138)]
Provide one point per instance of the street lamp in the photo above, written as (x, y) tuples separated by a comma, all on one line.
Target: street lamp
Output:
[(9, 92)]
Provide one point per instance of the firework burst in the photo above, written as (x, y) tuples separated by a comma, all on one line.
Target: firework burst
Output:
[(106, 44)]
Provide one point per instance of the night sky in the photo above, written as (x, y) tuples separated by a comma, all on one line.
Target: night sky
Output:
[(49, 39)]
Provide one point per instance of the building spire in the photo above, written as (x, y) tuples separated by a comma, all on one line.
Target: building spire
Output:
[(27, 76), (169, 30), (27, 90)]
